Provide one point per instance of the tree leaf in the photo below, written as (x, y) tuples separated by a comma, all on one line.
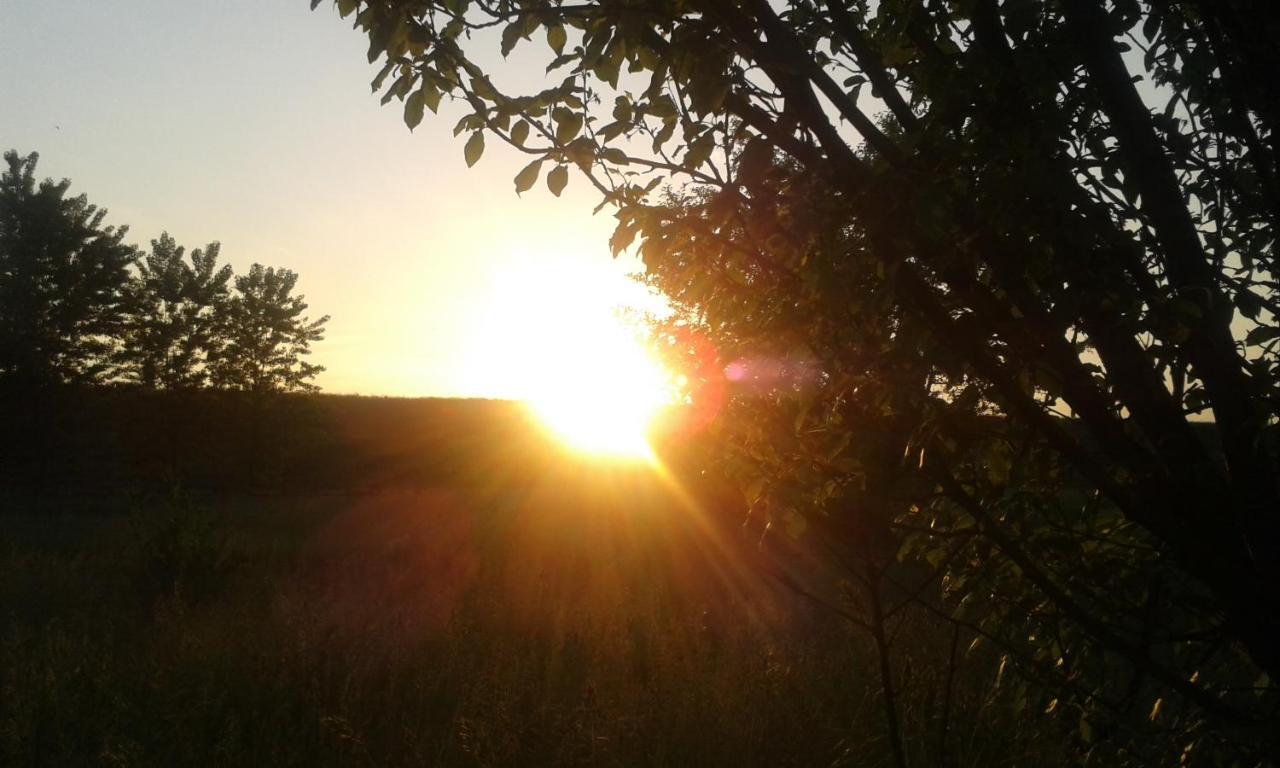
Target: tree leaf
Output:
[(528, 176), (468, 122), (430, 96), (560, 61), (699, 151), (1250, 305), (414, 106), (614, 155), (510, 36), (474, 148), (556, 38), (557, 179), (568, 124), (611, 131), (382, 75), (520, 132), (664, 133), (622, 237), (1261, 335)]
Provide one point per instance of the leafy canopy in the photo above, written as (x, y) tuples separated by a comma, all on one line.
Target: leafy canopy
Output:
[(79, 306), (178, 304), (266, 335)]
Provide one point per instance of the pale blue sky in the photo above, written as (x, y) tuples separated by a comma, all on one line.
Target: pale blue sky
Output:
[(252, 122)]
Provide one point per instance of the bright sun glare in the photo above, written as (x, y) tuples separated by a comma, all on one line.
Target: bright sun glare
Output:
[(555, 339)]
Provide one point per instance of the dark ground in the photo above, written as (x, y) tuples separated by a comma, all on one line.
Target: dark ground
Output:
[(352, 581)]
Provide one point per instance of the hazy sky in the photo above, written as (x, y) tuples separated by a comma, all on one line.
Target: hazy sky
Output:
[(251, 122)]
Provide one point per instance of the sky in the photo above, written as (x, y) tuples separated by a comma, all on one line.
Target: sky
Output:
[(251, 122)]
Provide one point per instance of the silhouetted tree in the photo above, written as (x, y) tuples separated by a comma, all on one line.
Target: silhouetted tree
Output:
[(176, 306), (266, 336), (902, 218), (63, 279)]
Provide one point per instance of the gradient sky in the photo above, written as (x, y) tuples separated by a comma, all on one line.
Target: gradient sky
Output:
[(251, 122)]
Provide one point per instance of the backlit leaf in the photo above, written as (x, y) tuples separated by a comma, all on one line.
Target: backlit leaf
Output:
[(510, 36), (556, 38), (520, 132), (475, 147), (568, 124), (557, 179), (528, 176), (414, 107)]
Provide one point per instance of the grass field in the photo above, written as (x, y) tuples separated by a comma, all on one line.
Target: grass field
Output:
[(520, 612)]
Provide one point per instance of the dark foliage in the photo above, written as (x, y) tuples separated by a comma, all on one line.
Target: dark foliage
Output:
[(63, 282), (177, 307), (266, 338), (78, 306)]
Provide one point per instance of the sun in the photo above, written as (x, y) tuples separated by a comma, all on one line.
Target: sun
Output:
[(604, 395), (558, 338)]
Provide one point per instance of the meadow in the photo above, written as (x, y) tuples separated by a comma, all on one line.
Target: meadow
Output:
[(467, 594)]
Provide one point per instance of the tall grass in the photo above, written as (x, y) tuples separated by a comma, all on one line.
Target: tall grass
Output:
[(556, 624)]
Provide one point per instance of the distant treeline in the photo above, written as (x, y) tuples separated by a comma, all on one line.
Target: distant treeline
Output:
[(79, 306)]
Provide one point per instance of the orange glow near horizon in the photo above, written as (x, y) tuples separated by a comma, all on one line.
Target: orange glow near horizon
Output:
[(556, 339)]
